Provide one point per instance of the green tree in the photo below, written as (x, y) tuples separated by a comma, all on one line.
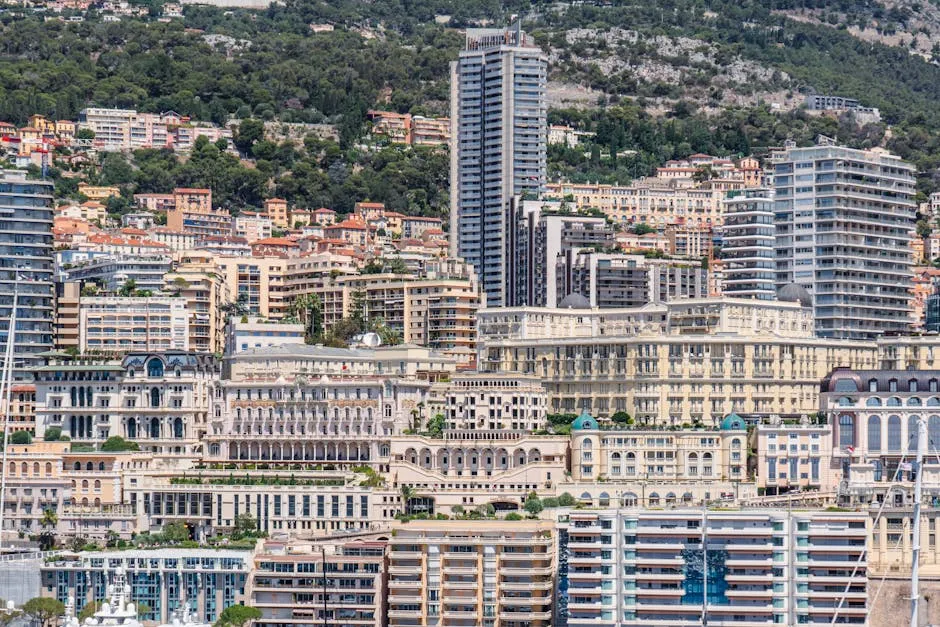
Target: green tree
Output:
[(21, 437), (245, 527), (237, 616), (129, 287), (44, 610), (111, 538), (175, 532), (642, 228), (52, 434), (117, 444), (622, 417), (47, 525), (249, 131), (566, 500), (88, 611), (533, 505), (76, 543), (308, 310), (436, 426), (84, 133)]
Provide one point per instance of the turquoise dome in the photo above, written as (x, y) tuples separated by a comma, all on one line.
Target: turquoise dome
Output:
[(733, 422), (584, 422)]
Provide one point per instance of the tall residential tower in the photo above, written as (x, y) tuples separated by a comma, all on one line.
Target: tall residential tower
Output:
[(26, 215), (498, 151), (844, 220)]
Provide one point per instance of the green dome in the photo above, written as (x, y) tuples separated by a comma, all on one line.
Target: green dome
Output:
[(733, 422), (584, 422)]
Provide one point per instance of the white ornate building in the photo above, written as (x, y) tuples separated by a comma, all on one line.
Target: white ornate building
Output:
[(158, 400)]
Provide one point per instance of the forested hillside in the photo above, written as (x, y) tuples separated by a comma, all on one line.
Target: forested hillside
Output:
[(661, 79)]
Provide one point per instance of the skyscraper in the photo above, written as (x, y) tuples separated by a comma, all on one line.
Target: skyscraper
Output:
[(26, 216), (498, 144), (844, 220)]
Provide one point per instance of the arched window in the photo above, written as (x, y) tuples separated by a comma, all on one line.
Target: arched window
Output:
[(894, 401), (178, 428), (154, 397), (36, 469), (671, 498), (48, 469), (73, 396), (89, 466), (845, 401), (874, 433), (155, 368), (84, 484), (77, 466), (97, 485), (155, 428), (873, 401), (131, 429), (735, 444), (586, 498), (933, 433), (603, 500), (914, 402), (846, 430), (100, 465), (653, 499), (912, 433), (894, 433)]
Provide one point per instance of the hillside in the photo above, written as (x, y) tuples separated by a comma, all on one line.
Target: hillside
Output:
[(657, 78)]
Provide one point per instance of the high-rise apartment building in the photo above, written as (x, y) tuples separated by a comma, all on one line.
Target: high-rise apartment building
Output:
[(538, 232), (26, 262), (698, 567), (748, 244), (499, 128), (485, 573), (844, 220)]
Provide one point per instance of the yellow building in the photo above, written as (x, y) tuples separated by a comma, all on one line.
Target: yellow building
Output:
[(276, 210), (199, 280), (260, 283), (686, 361), (98, 192)]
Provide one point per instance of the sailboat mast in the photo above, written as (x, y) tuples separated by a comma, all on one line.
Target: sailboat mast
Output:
[(918, 498), (6, 386)]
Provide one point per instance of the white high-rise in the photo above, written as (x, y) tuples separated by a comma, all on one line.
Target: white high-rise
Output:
[(844, 220), (498, 145), (748, 244)]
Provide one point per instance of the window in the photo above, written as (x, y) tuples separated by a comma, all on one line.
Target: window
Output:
[(894, 433), (846, 430), (873, 385), (912, 385), (155, 368), (874, 433)]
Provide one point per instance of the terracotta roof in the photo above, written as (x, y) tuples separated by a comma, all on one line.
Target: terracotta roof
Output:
[(275, 241), (191, 190), (324, 210), (348, 224)]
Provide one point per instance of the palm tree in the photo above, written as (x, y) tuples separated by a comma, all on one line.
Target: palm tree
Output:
[(308, 310), (48, 523), (407, 494)]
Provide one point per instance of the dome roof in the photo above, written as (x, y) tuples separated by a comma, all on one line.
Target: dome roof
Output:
[(574, 301), (733, 422), (584, 422), (795, 293)]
